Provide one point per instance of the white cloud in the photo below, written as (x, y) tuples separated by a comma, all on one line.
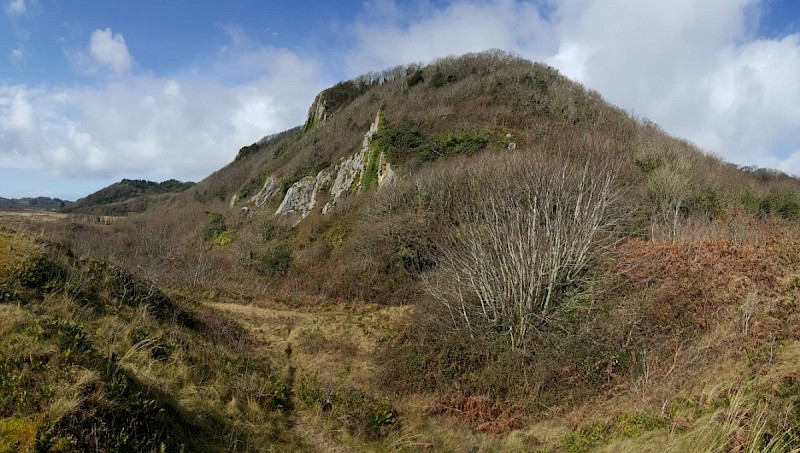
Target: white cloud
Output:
[(109, 50), (142, 125), (692, 66), (16, 112), (384, 38), (15, 8)]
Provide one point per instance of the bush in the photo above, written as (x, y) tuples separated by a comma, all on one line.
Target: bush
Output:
[(415, 78), (516, 249), (215, 225), (581, 352), (706, 204), (247, 151), (438, 79), (361, 414), (275, 261), (781, 203)]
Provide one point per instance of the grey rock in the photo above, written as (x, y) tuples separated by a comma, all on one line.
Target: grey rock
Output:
[(299, 197), (271, 188), (302, 195)]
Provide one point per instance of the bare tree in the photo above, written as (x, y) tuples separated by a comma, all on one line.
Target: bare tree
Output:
[(668, 187), (532, 234)]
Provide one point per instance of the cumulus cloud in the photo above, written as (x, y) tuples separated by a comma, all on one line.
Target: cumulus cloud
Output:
[(143, 125), (384, 37), (691, 66), (109, 50)]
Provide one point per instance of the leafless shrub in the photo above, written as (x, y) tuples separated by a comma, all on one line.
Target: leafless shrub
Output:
[(512, 252)]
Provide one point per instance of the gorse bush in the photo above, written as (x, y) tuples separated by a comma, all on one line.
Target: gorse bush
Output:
[(781, 203)]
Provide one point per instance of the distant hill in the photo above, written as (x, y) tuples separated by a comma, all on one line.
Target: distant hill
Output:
[(38, 203), (126, 196)]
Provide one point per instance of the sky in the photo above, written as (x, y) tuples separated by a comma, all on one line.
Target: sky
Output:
[(92, 92)]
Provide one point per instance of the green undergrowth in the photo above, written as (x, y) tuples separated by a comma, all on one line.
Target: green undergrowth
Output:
[(739, 420), (624, 426), (92, 358), (349, 408)]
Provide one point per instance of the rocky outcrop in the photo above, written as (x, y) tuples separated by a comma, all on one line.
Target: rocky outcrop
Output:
[(385, 172), (349, 170), (301, 198), (318, 113), (329, 186), (271, 188), (348, 174)]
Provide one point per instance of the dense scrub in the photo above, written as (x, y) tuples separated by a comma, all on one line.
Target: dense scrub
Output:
[(93, 358), (538, 283)]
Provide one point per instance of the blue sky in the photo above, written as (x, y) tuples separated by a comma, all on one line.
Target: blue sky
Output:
[(92, 92)]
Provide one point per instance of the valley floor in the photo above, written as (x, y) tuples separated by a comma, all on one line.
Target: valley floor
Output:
[(733, 387)]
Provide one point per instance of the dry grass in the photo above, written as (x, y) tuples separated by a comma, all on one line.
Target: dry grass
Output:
[(710, 314), (336, 342), (13, 248)]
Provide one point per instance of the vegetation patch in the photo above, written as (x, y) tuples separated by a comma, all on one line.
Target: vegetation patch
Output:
[(481, 412), (102, 360), (359, 413)]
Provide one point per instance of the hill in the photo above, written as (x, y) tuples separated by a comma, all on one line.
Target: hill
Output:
[(126, 196), (472, 255), (37, 203)]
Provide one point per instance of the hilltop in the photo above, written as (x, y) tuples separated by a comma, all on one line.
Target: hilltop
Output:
[(126, 196), (37, 203), (477, 254)]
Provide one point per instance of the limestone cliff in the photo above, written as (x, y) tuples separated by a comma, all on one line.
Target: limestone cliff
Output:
[(317, 113), (350, 175), (302, 196), (271, 188)]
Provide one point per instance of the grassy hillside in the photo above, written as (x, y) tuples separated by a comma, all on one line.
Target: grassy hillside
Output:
[(126, 196), (93, 358), (543, 272)]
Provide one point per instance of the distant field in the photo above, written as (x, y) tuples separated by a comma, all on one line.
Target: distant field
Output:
[(37, 215), (7, 217)]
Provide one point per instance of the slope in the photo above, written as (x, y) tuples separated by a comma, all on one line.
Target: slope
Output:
[(126, 196), (481, 254), (93, 358), (38, 203)]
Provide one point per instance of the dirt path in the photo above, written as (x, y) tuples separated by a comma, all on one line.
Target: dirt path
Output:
[(335, 343)]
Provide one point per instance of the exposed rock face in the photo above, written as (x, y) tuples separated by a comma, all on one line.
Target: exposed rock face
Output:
[(385, 172), (302, 196), (348, 173), (346, 177), (271, 188), (317, 114), (234, 199), (299, 197)]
